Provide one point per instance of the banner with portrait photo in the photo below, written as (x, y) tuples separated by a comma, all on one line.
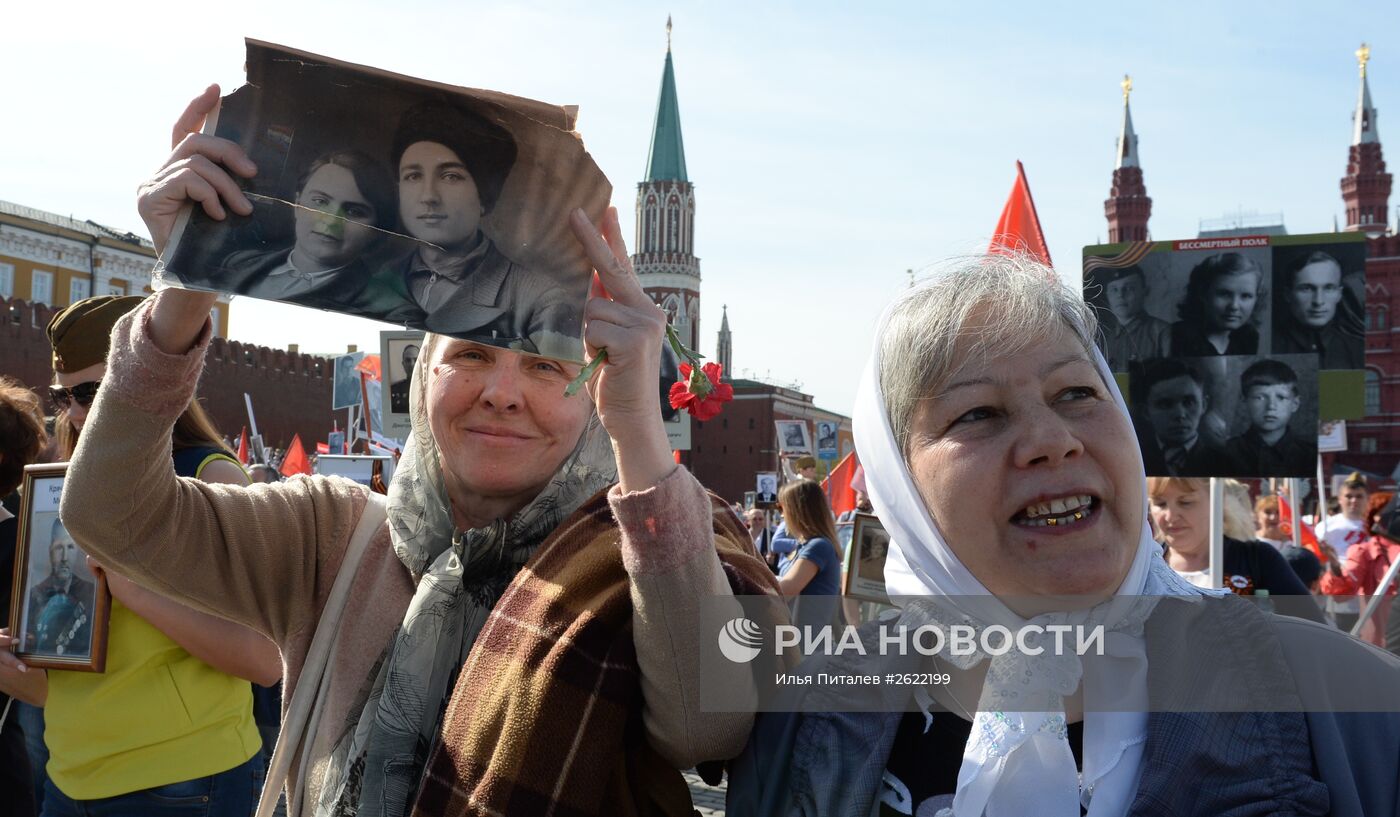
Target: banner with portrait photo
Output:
[(794, 438), (398, 353), (1269, 295), (345, 381), (58, 606), (431, 206), (1241, 416)]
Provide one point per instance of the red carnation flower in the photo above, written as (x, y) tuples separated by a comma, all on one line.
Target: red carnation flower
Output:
[(700, 392)]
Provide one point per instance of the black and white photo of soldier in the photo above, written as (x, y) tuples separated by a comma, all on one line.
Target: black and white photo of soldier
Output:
[(345, 386), (1218, 314), (794, 436), (1171, 404), (1130, 334), (826, 436), (1272, 444), (345, 205), (60, 608), (403, 377), (1319, 306)]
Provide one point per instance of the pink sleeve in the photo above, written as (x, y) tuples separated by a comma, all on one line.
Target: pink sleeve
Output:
[(665, 526), (147, 378)]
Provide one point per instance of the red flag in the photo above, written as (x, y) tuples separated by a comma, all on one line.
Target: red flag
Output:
[(837, 485), (243, 446), (323, 448), (296, 461), (1309, 539), (369, 364), (1018, 229)]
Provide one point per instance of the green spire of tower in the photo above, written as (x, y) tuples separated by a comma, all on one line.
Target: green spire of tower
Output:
[(666, 161)]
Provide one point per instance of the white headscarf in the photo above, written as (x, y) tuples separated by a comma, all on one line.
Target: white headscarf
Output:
[(1019, 762)]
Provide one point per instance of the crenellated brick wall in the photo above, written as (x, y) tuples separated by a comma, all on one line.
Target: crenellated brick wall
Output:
[(291, 393)]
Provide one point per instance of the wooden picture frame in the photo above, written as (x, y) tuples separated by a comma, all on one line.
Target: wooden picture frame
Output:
[(58, 609), (864, 574)]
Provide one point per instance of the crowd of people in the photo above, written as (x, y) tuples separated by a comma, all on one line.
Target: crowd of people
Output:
[(511, 629)]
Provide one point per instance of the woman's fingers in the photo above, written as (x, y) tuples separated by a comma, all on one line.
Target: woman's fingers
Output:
[(215, 149), (608, 254), (7, 657), (650, 318), (192, 120)]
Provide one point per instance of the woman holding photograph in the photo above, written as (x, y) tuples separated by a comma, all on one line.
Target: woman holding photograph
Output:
[(169, 724), (1217, 315), (529, 584), (345, 202), (1001, 459)]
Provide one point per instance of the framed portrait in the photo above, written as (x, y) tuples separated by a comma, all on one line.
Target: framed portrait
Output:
[(793, 437), (357, 467), (765, 489), (59, 608), (398, 353), (345, 384), (826, 439), (749, 497), (864, 576), (350, 213)]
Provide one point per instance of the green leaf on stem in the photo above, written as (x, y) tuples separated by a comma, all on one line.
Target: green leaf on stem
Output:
[(586, 373)]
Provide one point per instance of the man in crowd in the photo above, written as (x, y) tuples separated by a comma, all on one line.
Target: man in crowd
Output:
[(762, 535), (1312, 291), (862, 506), (1133, 335), (1341, 531), (1269, 447), (1171, 439)]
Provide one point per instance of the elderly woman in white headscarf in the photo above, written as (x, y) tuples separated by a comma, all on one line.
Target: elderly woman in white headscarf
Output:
[(507, 634), (1000, 457)]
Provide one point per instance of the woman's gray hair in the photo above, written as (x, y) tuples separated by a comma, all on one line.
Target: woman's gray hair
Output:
[(1001, 303)]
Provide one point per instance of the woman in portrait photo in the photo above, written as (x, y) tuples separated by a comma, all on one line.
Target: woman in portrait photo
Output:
[(345, 203), (1217, 315), (1000, 456)]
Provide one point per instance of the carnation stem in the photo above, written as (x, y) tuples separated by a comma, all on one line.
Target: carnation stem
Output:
[(586, 373)]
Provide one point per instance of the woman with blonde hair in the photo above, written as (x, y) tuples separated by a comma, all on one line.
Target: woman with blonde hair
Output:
[(813, 570)]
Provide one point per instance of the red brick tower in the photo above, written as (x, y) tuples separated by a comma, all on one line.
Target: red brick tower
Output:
[(1127, 207), (1366, 186)]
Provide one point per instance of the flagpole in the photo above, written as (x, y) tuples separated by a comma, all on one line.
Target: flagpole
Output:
[(1217, 532)]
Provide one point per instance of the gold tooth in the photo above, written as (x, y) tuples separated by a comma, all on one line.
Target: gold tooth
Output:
[(1078, 515), (1051, 521)]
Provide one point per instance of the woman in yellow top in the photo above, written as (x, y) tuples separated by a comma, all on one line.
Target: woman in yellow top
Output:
[(168, 728)]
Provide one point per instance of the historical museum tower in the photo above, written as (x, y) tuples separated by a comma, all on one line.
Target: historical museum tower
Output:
[(1366, 186), (1128, 206), (665, 259)]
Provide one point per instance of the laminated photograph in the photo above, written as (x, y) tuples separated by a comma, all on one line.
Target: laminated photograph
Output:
[(435, 207)]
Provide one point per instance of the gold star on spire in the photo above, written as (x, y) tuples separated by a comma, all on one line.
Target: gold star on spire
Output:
[(1363, 56), (1127, 84)]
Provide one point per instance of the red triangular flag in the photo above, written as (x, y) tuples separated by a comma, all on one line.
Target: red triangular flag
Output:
[(1018, 229), (243, 446), (296, 461), (837, 485)]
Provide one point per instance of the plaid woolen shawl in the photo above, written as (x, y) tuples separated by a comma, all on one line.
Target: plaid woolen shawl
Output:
[(546, 715)]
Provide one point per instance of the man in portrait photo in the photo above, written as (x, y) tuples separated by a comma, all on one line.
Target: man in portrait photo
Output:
[(767, 489), (452, 164), (398, 390), (1132, 335), (793, 438), (1269, 447), (1313, 317), (345, 385), (61, 606), (1171, 396)]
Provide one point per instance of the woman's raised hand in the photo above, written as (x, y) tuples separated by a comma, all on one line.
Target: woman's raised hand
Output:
[(621, 318), (197, 170)]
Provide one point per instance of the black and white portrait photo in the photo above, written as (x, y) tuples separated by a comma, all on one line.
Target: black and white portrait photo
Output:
[(826, 438), (345, 386), (793, 437), (1242, 416), (766, 488), (1320, 302), (434, 207), (865, 565), (403, 356), (59, 606), (1129, 333)]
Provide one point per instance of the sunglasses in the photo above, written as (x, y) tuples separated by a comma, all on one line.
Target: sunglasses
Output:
[(82, 394)]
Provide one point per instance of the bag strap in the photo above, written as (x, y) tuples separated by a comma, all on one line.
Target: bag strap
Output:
[(318, 656)]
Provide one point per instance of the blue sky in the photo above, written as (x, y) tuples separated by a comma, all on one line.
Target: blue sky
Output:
[(832, 147)]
